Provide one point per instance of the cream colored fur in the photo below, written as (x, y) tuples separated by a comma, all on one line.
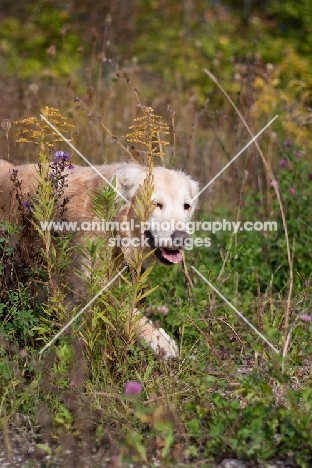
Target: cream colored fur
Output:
[(173, 194)]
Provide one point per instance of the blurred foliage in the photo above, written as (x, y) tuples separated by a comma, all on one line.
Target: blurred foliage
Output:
[(286, 90), (269, 43), (294, 21), (190, 39), (40, 44), (179, 31), (176, 40)]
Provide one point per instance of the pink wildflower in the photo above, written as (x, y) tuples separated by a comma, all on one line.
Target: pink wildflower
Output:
[(163, 309), (133, 388), (305, 317)]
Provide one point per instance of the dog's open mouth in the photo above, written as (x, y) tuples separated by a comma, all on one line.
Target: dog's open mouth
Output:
[(163, 254), (168, 256)]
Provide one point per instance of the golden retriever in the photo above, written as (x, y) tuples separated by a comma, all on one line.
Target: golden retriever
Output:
[(174, 197)]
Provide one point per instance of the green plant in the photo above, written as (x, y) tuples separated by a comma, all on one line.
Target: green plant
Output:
[(41, 44), (19, 315), (263, 252)]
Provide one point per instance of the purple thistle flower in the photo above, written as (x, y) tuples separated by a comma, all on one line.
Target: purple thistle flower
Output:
[(71, 168), (133, 388), (283, 162), (26, 205), (305, 317), (297, 153), (292, 191), (61, 155), (287, 143), (310, 176), (273, 183)]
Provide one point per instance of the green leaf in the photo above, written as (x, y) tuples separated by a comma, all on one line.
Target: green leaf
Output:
[(45, 448)]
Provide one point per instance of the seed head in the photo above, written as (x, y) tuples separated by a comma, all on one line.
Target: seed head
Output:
[(6, 125)]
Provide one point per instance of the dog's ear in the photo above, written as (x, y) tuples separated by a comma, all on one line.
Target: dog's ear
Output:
[(194, 193), (128, 178), (194, 188)]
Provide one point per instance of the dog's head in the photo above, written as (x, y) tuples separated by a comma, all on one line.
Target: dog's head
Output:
[(174, 197)]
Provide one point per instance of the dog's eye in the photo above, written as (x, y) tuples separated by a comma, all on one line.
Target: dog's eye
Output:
[(159, 205), (187, 206)]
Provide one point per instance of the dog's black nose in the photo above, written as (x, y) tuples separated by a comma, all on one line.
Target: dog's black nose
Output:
[(179, 238)]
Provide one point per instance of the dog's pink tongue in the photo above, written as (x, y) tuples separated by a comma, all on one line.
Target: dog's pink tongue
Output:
[(173, 257)]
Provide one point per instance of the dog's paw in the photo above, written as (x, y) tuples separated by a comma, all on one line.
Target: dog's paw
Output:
[(163, 345)]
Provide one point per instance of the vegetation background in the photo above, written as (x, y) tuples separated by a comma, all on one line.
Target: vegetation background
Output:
[(229, 396)]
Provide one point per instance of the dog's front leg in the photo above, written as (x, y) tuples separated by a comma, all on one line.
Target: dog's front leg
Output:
[(157, 338)]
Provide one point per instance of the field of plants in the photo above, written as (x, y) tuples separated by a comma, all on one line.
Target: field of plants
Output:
[(202, 79)]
